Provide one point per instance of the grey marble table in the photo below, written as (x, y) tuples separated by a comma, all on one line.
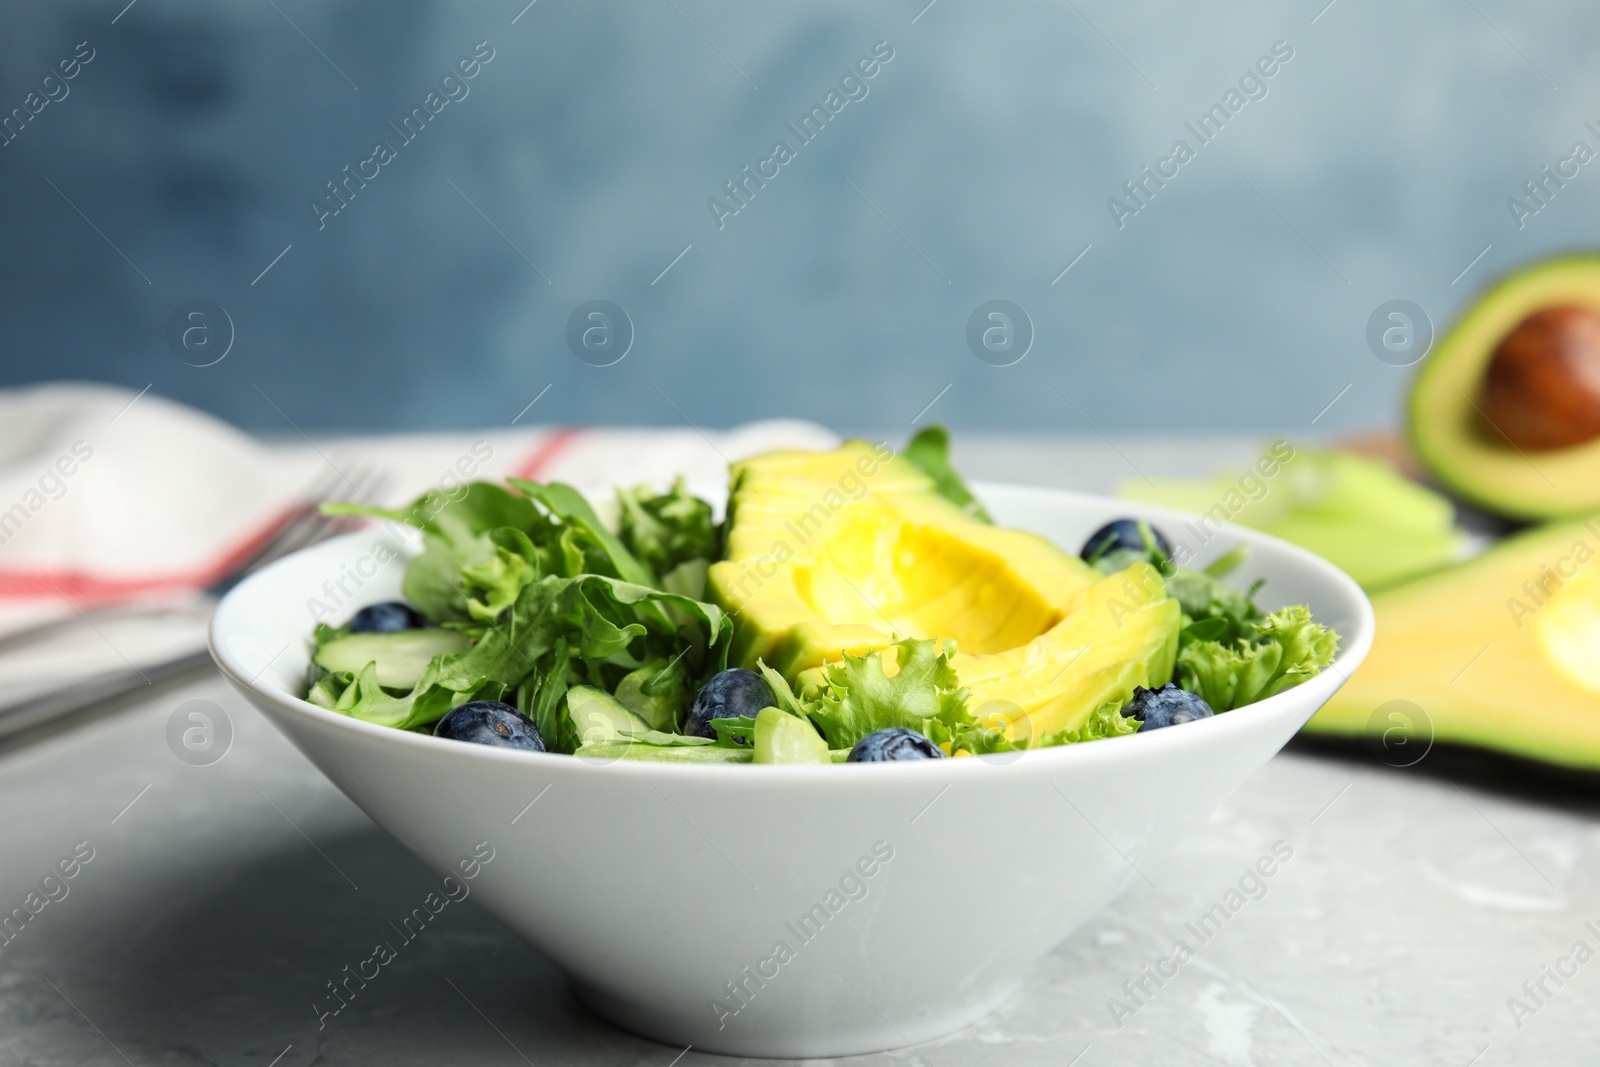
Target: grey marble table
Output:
[(1411, 909)]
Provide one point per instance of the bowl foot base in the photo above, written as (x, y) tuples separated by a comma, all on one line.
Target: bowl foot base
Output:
[(780, 1038)]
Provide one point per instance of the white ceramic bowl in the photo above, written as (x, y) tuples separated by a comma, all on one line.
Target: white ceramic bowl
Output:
[(786, 911)]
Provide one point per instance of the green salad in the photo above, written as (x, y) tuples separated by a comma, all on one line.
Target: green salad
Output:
[(854, 605)]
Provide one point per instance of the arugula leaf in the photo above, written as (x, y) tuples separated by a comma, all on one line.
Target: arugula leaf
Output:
[(666, 530), (551, 599), (738, 731), (592, 548), (658, 692), (658, 737), (456, 529), (688, 578), (600, 618), (858, 698), (929, 452), (1278, 652), (428, 702), (328, 688), (1226, 563), (559, 632), (542, 696), (514, 562)]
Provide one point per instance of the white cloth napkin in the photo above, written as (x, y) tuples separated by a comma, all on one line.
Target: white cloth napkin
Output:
[(107, 495)]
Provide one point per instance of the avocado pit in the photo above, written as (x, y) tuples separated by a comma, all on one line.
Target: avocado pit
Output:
[(1542, 388)]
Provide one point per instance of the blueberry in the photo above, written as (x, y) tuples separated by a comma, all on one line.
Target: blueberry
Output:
[(1122, 534), (489, 722), (728, 695), (1167, 706), (895, 743), (386, 618)]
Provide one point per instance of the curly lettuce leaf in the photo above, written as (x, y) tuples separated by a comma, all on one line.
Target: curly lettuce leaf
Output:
[(666, 530), (1105, 721), (1279, 652), (929, 452), (857, 697), (1231, 653)]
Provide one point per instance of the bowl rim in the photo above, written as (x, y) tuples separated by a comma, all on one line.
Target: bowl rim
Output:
[(1353, 650)]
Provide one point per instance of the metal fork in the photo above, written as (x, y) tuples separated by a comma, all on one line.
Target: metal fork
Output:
[(304, 527)]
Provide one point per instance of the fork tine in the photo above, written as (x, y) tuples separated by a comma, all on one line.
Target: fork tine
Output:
[(295, 514), (307, 525), (301, 526), (368, 484), (271, 547)]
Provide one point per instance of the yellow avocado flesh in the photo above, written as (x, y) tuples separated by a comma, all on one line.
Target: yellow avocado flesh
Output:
[(846, 551), (1500, 653), (1118, 633), (1449, 431)]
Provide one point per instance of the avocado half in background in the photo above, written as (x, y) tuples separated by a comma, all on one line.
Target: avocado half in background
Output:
[(1500, 653), (1505, 411), (1497, 654)]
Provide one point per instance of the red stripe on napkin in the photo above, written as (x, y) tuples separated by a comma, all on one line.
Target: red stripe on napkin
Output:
[(546, 452), (80, 587)]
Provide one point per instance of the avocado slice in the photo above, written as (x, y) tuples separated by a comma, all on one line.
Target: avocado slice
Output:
[(845, 551), (1499, 653), (842, 551), (1451, 429)]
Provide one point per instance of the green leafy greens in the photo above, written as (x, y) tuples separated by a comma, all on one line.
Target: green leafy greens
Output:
[(1231, 653), (929, 452), (666, 530), (1280, 651), (857, 697), (551, 599)]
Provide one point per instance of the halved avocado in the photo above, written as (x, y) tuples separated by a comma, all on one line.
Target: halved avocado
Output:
[(848, 550), (1462, 434), (1501, 653)]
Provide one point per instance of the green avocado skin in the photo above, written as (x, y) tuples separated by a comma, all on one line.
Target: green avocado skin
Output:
[(1448, 430)]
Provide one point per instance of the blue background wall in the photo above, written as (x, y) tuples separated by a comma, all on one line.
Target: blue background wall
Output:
[(979, 165)]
